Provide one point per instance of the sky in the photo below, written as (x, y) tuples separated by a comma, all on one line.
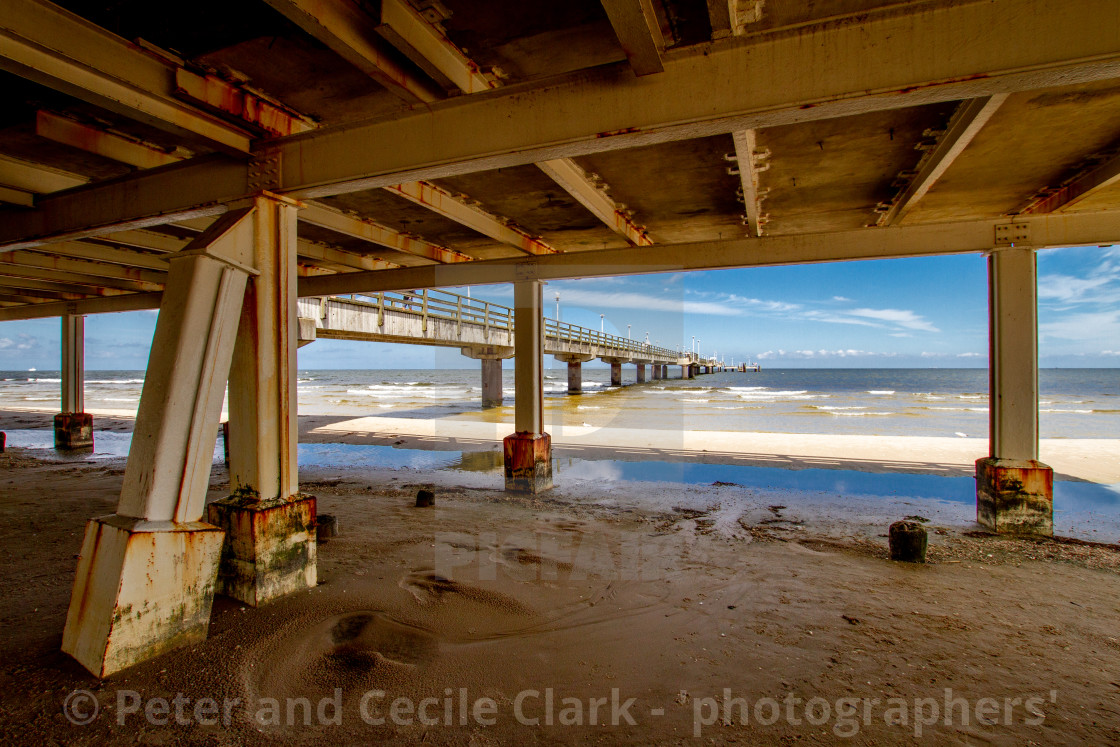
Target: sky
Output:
[(902, 313)]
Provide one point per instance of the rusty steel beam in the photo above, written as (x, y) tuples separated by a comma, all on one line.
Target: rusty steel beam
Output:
[(635, 24), (316, 214), (95, 284), (888, 61), (42, 42), (966, 123), (352, 34), (144, 279), (100, 142), (36, 178), (967, 237), (566, 173), (1079, 188), (339, 260), (246, 107), (443, 203), (403, 27), (102, 253), (748, 158), (50, 285), (128, 302)]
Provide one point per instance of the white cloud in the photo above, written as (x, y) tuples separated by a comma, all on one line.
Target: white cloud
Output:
[(840, 298), (629, 300), (900, 317), (1067, 289), (21, 344)]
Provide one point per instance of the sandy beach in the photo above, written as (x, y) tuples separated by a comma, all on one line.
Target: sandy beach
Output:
[(1090, 460), (690, 601)]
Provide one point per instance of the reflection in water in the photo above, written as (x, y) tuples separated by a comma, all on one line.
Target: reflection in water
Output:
[(1068, 496)]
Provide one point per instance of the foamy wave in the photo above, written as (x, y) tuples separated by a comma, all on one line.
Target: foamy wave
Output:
[(880, 391), (588, 407), (107, 381), (1078, 412)]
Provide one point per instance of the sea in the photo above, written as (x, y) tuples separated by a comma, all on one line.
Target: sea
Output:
[(1074, 403)]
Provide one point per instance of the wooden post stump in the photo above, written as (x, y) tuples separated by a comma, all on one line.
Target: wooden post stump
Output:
[(908, 541)]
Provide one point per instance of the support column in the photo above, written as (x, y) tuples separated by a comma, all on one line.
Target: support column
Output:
[(616, 374), (73, 426), (691, 372), (1014, 491), (641, 375), (656, 371), (491, 382), (528, 451), (270, 548), (146, 575), (575, 377)]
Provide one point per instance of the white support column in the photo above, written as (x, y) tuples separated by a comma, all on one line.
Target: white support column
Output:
[(145, 581), (73, 427), (270, 544), (262, 380), (528, 452), (528, 340), (1013, 364), (1014, 489), (73, 363)]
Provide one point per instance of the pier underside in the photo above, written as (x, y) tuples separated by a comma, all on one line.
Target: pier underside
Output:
[(218, 162)]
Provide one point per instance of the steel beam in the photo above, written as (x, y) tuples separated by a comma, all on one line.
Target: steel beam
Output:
[(1072, 192), (573, 180), (443, 203), (338, 259), (229, 100), (1055, 230), (195, 188), (102, 253), (101, 142), (748, 157), (36, 178), (730, 17), (142, 239), (428, 47), (887, 61), (70, 289), (352, 34), (96, 285), (56, 48), (635, 24), (17, 197), (129, 302), (147, 279), (375, 233), (966, 123)]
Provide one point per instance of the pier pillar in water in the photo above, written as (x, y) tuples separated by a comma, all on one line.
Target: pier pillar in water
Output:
[(575, 363), (73, 426), (270, 547), (641, 373), (1014, 491), (146, 574), (616, 370), (528, 451), (656, 373), (491, 357)]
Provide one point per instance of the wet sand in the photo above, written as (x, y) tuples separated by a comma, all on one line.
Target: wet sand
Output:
[(669, 599), (1091, 460)]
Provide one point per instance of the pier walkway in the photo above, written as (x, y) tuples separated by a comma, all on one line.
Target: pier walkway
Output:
[(483, 331)]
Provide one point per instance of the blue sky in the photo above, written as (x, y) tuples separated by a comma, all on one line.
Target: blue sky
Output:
[(920, 312)]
